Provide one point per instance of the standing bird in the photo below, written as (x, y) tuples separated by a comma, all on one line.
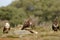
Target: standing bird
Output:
[(6, 28), (55, 25)]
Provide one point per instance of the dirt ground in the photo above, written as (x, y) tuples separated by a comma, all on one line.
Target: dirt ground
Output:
[(44, 33), (9, 39)]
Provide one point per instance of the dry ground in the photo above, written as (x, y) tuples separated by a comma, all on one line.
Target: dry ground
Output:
[(44, 33), (9, 39)]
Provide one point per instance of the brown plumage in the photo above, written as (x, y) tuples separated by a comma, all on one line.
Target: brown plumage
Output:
[(26, 24), (55, 25), (6, 30), (6, 27)]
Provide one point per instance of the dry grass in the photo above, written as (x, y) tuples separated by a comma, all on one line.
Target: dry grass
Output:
[(43, 34)]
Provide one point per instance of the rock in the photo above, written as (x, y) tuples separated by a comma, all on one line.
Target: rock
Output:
[(19, 32)]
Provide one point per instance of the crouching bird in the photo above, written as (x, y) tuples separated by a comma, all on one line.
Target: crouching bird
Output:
[(27, 24)]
